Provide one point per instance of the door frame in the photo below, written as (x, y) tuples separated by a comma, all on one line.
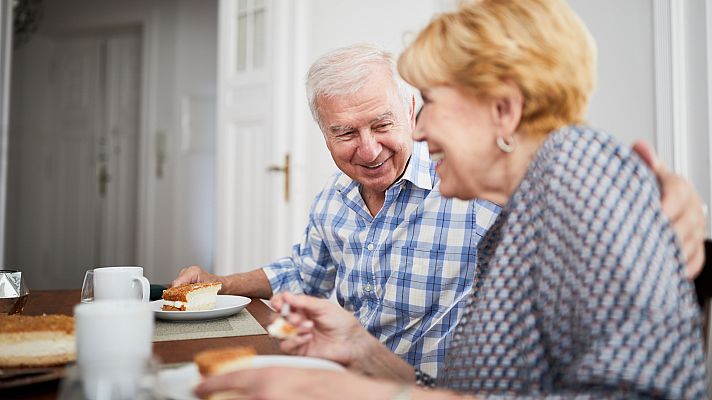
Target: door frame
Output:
[(6, 16), (285, 47), (145, 223)]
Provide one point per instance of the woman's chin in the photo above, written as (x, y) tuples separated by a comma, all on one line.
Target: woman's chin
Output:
[(447, 191)]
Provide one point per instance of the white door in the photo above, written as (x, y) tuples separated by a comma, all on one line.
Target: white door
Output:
[(87, 181), (255, 201), (119, 150)]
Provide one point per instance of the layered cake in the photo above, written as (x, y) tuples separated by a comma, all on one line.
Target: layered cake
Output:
[(191, 297), (36, 341), (222, 360)]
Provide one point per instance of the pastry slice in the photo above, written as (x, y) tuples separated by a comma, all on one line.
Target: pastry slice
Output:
[(36, 341), (191, 297), (281, 329), (225, 359)]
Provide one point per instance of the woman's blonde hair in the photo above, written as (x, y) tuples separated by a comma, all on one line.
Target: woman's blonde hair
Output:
[(540, 45)]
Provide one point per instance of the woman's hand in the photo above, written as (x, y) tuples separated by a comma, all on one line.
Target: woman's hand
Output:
[(324, 329), (682, 206), (279, 383)]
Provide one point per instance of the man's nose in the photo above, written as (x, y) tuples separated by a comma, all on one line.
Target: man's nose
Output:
[(369, 147)]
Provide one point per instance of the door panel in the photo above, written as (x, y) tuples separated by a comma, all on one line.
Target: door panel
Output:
[(84, 120), (77, 96), (253, 118), (121, 134)]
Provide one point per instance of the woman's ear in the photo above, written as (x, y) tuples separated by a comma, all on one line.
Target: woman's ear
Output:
[(507, 109)]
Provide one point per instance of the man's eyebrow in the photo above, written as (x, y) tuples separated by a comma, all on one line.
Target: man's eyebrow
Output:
[(336, 129), (381, 117)]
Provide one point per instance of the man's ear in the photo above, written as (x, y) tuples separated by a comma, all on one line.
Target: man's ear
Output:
[(412, 112), (507, 109)]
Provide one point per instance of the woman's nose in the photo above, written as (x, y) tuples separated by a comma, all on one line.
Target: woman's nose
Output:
[(418, 133)]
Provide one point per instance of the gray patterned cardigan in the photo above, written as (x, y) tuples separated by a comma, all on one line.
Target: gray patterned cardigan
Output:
[(580, 290)]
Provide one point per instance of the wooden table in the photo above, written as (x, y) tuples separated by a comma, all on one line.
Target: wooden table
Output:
[(63, 302)]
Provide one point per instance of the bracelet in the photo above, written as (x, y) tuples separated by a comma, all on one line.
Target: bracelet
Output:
[(423, 379), (403, 393)]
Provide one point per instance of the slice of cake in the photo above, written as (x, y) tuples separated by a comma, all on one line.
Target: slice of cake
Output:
[(281, 329), (36, 341), (191, 297), (225, 359)]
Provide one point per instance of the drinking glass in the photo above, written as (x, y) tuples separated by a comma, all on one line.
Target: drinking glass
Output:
[(114, 340), (88, 287), (142, 385)]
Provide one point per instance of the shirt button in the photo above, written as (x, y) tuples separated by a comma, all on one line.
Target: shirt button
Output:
[(370, 247), (363, 320), (368, 287)]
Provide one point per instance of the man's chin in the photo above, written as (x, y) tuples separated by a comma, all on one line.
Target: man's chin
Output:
[(377, 185)]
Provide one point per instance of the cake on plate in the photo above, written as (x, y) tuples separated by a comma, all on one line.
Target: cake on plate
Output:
[(191, 297), (36, 341), (225, 359)]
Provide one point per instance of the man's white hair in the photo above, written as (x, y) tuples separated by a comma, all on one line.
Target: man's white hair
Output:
[(344, 71)]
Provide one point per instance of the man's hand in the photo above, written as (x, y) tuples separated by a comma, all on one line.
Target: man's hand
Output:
[(194, 274), (683, 206)]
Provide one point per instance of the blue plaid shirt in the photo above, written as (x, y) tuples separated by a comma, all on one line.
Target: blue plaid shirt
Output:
[(403, 272)]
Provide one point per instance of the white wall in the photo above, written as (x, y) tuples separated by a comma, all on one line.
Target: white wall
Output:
[(624, 101)]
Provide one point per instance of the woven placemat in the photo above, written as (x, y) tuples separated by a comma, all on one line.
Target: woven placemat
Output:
[(240, 324)]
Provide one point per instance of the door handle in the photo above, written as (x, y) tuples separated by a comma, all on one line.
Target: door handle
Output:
[(103, 178), (283, 168)]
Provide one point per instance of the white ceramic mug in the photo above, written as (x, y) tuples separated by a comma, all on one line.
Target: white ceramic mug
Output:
[(124, 283), (114, 342)]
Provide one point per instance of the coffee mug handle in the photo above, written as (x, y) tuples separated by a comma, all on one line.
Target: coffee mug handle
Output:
[(145, 287)]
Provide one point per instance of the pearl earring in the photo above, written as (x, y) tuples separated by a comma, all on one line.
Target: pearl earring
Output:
[(504, 146)]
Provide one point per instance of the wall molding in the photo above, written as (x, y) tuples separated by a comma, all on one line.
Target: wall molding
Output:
[(670, 84)]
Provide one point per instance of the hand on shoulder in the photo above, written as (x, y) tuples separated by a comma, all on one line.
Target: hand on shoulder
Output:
[(683, 206)]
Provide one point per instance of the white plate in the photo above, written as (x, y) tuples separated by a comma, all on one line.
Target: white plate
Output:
[(178, 383), (225, 306)]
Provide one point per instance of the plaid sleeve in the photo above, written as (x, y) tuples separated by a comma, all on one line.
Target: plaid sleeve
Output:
[(309, 270)]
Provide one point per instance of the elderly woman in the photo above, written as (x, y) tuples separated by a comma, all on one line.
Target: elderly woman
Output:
[(580, 288)]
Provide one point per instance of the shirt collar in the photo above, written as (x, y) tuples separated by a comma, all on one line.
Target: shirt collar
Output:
[(419, 172)]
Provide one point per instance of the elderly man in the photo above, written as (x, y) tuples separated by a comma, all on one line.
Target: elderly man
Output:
[(399, 255)]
